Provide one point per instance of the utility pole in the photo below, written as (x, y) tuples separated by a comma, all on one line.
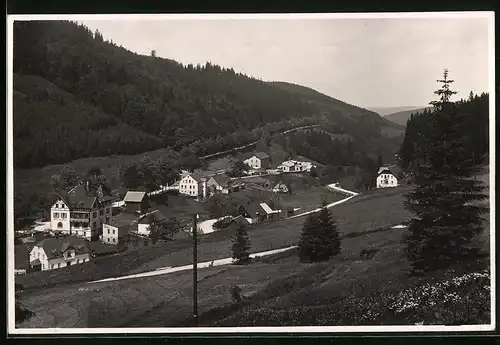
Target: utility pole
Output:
[(195, 269)]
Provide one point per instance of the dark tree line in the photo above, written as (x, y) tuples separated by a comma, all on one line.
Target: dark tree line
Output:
[(79, 95), (442, 150), (341, 156)]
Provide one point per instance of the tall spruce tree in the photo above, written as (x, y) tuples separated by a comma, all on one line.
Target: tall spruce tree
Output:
[(445, 200), (320, 239), (241, 247)]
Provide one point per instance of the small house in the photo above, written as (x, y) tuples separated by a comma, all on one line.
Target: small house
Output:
[(253, 212), (53, 253), (260, 160), (136, 202), (219, 184), (118, 227), (280, 187), (386, 177)]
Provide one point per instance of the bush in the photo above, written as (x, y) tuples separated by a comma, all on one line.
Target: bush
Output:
[(368, 253)]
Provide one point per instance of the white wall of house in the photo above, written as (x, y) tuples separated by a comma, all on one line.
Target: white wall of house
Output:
[(60, 217), (254, 162), (387, 180), (189, 186), (69, 258), (143, 229), (110, 234)]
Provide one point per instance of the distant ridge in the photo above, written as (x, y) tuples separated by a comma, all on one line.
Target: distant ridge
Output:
[(401, 117), (385, 111)]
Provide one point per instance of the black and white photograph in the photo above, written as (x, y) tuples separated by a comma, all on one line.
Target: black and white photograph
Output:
[(218, 173)]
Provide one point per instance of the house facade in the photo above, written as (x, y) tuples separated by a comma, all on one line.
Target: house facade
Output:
[(78, 213), (256, 212), (260, 160), (116, 230), (295, 166), (219, 183), (386, 178), (53, 253), (193, 185)]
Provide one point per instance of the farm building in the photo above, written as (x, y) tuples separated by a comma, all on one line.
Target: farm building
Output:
[(136, 202), (260, 160), (118, 227), (295, 166), (386, 177), (53, 253), (219, 184)]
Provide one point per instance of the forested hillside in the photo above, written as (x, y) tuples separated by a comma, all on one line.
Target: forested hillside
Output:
[(474, 135), (92, 97)]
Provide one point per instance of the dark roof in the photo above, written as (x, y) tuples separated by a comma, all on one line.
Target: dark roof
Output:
[(77, 198), (35, 263), (253, 208), (122, 219), (22, 256), (156, 214), (102, 248), (222, 180), (393, 169), (55, 247), (242, 221), (261, 155)]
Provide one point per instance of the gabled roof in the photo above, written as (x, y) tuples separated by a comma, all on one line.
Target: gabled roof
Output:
[(253, 208), (222, 180), (77, 198), (156, 215), (280, 184), (197, 177), (134, 196), (55, 247), (393, 169), (241, 221), (122, 219), (266, 208)]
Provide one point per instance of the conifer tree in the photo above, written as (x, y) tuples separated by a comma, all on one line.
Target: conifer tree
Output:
[(241, 247), (320, 239), (445, 198)]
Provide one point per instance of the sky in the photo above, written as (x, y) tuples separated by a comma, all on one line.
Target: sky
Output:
[(366, 62)]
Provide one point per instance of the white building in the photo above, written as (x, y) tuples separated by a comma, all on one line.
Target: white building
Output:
[(260, 160), (386, 178), (116, 229), (193, 185), (77, 212), (295, 166), (52, 253)]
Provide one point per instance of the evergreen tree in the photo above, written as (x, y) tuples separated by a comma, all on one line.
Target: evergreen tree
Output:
[(445, 198), (241, 246), (320, 239)]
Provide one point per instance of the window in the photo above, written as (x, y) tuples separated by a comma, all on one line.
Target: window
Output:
[(62, 206), (113, 231), (114, 240), (64, 215), (94, 214), (109, 231), (56, 214), (59, 225)]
